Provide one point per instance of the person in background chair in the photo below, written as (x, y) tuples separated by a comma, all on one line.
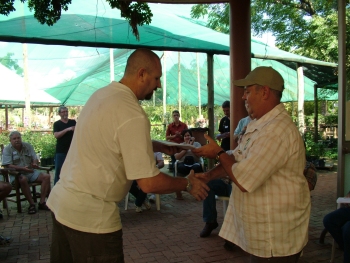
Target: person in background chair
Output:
[(140, 197), (219, 187), (5, 189), (22, 157), (187, 160), (160, 164), (338, 225), (63, 130)]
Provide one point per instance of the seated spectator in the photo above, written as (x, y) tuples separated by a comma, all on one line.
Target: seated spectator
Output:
[(21, 156), (219, 187), (141, 197), (5, 189), (159, 160), (187, 160), (338, 225), (160, 164)]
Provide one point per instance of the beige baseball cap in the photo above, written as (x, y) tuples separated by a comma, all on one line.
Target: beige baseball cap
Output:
[(264, 76)]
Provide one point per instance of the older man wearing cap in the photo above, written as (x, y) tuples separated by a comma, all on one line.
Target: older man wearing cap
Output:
[(269, 208)]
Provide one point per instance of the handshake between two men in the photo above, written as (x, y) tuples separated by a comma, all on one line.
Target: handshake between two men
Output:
[(194, 183)]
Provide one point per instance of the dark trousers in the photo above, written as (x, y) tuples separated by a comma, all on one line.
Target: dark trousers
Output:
[(217, 187), (184, 170), (72, 246), (59, 160), (338, 225), (138, 193), (288, 259), (173, 160)]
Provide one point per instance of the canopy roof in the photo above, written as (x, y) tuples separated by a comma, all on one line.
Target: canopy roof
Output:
[(12, 91), (97, 75), (95, 24)]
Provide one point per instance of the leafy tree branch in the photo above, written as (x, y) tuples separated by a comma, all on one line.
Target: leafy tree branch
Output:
[(49, 11)]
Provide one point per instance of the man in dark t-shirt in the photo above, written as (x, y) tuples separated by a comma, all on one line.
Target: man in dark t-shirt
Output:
[(63, 130), (224, 127)]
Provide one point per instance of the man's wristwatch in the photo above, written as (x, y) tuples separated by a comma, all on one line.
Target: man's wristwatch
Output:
[(189, 185), (218, 154)]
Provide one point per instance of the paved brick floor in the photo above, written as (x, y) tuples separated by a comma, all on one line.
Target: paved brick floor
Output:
[(168, 235)]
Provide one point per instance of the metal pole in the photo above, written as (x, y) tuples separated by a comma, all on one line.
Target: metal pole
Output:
[(111, 64), (300, 75), (199, 89), (316, 115), (27, 113), (210, 59), (341, 96), (179, 81), (164, 86)]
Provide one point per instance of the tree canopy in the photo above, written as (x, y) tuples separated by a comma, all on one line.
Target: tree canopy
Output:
[(12, 64), (49, 11), (305, 27)]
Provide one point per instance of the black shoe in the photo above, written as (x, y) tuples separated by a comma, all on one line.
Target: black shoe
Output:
[(5, 241), (208, 228), (43, 206), (229, 246)]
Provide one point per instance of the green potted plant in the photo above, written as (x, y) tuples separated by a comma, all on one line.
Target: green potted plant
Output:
[(48, 149)]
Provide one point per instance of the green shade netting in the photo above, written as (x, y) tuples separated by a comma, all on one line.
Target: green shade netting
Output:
[(95, 24), (78, 90)]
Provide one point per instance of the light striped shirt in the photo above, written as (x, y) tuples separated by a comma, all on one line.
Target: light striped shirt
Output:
[(271, 219)]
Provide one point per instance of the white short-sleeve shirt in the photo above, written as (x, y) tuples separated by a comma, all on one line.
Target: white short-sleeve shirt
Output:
[(111, 147)]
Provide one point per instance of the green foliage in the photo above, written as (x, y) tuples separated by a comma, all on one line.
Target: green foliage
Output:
[(48, 145), (331, 153), (308, 28), (158, 132), (4, 138), (218, 15), (136, 13), (331, 119), (316, 149), (49, 11), (10, 63)]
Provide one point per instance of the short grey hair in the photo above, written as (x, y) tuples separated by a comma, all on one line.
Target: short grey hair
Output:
[(15, 133), (61, 108)]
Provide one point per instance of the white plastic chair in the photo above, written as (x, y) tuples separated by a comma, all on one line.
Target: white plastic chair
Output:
[(340, 200), (127, 201), (225, 200)]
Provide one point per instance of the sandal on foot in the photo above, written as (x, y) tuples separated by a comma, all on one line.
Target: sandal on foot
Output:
[(4, 241), (32, 209), (43, 206)]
